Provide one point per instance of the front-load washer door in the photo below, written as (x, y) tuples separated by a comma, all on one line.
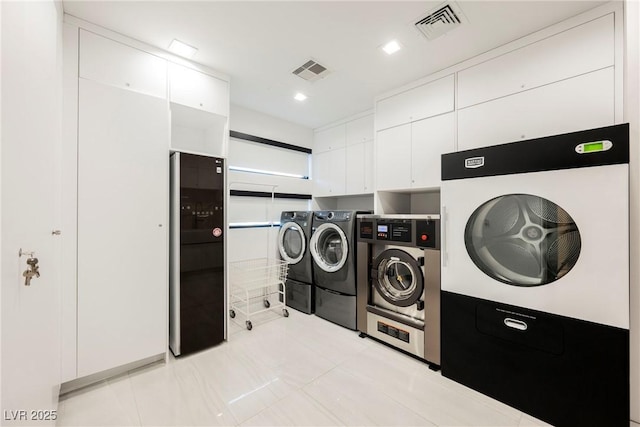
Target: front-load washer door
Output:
[(329, 247), (554, 241), (292, 242), (397, 277)]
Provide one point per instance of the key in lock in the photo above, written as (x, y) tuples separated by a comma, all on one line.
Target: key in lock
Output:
[(32, 271)]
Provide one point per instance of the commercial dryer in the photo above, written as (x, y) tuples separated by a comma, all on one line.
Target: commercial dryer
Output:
[(535, 274)]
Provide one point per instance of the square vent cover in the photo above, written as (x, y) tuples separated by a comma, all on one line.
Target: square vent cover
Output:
[(440, 20), (311, 71)]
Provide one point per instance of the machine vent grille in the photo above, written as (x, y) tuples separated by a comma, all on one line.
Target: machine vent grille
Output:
[(311, 71), (441, 20)]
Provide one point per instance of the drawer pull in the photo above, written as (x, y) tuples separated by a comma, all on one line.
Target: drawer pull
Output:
[(515, 324)]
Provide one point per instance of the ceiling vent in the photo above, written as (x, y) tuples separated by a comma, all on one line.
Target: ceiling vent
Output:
[(440, 20), (311, 71)]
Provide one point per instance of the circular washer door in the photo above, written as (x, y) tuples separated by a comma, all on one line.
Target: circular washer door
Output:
[(398, 277), (522, 240), (291, 242), (329, 247)]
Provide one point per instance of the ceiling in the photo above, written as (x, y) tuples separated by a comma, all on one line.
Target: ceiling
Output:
[(258, 44)]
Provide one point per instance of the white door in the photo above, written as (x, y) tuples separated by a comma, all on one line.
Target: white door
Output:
[(31, 126), (123, 160)]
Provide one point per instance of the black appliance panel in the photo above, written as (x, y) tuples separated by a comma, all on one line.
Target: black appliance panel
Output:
[(560, 372), (201, 252), (540, 154)]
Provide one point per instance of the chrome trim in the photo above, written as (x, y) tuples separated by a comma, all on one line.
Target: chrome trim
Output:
[(318, 257), (283, 253), (174, 254)]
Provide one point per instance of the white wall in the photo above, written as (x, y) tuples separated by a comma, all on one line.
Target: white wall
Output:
[(259, 124), (632, 115), (248, 243)]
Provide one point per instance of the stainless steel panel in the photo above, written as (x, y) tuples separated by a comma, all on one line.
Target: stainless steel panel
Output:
[(362, 286), (416, 336), (432, 306)]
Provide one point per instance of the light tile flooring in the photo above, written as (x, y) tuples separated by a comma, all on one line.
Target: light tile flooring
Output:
[(296, 371)]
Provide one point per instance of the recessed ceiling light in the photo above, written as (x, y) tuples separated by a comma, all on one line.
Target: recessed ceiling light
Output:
[(392, 47), (300, 96), (182, 49)]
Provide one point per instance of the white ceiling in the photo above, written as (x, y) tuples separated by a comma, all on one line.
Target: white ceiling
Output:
[(258, 44)]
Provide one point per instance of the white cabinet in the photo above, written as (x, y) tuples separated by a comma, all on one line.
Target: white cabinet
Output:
[(582, 102), (115, 64), (393, 158), (359, 168), (329, 173), (343, 159), (329, 139), (122, 227), (430, 138), (359, 130), (582, 49), (408, 156), (430, 99), (198, 90)]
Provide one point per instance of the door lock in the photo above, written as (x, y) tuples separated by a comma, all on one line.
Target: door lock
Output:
[(31, 271)]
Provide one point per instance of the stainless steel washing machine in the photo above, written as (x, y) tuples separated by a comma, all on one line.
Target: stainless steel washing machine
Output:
[(399, 282)]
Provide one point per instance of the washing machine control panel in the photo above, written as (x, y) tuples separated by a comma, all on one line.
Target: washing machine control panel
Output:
[(415, 232), (394, 230)]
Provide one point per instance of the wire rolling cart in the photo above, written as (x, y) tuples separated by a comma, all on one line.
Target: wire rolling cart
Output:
[(257, 285)]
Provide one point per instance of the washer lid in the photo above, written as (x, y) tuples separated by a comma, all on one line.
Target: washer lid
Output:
[(398, 277), (329, 247), (292, 242)]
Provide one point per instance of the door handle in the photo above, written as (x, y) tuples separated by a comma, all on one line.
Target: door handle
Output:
[(445, 234), (515, 324)]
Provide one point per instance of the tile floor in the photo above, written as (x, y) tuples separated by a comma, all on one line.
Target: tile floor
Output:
[(296, 371)]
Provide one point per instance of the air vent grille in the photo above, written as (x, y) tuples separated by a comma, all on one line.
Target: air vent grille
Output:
[(311, 71), (441, 20)]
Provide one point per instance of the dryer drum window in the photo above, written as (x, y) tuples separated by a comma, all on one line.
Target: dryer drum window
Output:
[(398, 277), (522, 240)]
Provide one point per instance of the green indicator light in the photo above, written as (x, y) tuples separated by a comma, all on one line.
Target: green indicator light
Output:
[(593, 146)]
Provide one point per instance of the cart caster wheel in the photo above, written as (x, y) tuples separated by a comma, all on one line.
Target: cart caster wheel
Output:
[(267, 303), (232, 314), (249, 325), (285, 312)]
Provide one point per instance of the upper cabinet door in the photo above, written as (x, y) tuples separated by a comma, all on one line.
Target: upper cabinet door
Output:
[(581, 49), (115, 64), (329, 139), (393, 158), (424, 101), (582, 102), (359, 130), (198, 90), (430, 138)]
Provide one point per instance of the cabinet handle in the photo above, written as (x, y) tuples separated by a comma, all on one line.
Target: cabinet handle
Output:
[(127, 84), (201, 104)]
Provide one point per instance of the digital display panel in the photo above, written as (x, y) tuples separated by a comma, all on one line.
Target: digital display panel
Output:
[(593, 146), (383, 228)]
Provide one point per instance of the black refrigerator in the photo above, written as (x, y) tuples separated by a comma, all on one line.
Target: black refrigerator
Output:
[(197, 255)]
